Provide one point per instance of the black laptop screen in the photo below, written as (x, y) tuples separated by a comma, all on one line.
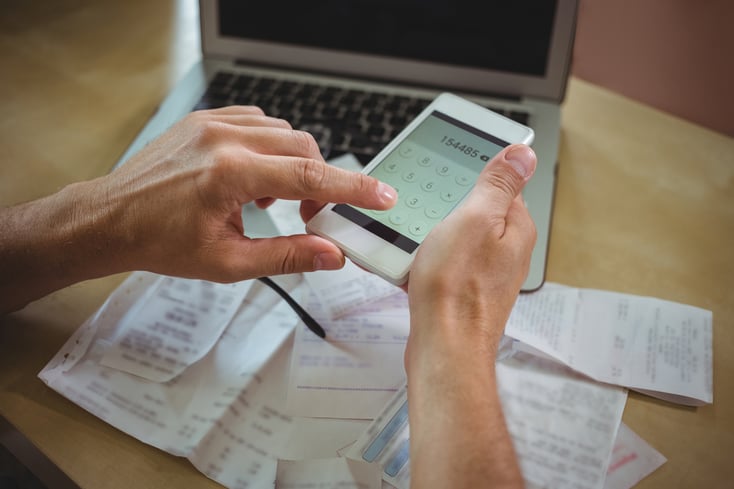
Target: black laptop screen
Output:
[(512, 36)]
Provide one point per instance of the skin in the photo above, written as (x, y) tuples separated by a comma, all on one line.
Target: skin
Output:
[(463, 285), (175, 209)]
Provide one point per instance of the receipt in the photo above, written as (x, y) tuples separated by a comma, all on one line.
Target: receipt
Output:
[(632, 460), (225, 412), (173, 415), (563, 426), (173, 325), (241, 449), (357, 369), (654, 346)]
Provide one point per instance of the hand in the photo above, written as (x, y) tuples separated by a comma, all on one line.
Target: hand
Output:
[(463, 284), (176, 206), (472, 265)]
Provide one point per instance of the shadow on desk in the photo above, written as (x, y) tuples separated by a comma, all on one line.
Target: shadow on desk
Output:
[(22, 466)]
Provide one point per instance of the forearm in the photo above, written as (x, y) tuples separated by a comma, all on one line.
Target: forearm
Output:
[(53, 242), (458, 434)]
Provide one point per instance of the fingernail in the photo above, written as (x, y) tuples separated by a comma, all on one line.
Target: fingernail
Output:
[(522, 159), (327, 261), (387, 193)]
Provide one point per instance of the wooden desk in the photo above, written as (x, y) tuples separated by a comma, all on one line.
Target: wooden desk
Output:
[(645, 205)]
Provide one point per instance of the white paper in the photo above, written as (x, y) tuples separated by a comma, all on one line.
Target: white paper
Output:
[(227, 412), (173, 415), (173, 325), (357, 369), (632, 460), (241, 449), (331, 473), (562, 426), (657, 347), (224, 412)]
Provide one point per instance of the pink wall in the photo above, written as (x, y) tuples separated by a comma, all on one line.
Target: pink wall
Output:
[(676, 55)]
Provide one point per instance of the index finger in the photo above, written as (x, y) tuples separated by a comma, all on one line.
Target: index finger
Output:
[(299, 178)]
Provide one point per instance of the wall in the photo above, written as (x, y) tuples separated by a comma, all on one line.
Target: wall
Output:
[(675, 55)]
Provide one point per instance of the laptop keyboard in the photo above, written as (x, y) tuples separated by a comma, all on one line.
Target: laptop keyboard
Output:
[(342, 120)]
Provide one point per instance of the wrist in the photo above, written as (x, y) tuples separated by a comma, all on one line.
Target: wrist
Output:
[(94, 246)]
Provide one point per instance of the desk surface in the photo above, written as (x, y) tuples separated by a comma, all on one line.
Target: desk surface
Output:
[(645, 205)]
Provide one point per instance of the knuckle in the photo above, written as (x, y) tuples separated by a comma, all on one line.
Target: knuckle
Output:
[(365, 184), (505, 181), (305, 144), (282, 123), (253, 109), (312, 175), (288, 262), (222, 160), (206, 131)]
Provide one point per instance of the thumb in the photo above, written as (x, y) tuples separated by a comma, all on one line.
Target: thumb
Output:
[(503, 178), (288, 254)]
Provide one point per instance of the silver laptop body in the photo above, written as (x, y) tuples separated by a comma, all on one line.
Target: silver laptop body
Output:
[(511, 58)]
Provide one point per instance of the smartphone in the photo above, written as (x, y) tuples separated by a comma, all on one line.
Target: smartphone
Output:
[(433, 164)]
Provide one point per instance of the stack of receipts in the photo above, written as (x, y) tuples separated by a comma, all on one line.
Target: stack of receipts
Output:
[(216, 373), (228, 376)]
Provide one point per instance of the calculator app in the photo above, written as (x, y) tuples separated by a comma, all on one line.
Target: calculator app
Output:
[(432, 170)]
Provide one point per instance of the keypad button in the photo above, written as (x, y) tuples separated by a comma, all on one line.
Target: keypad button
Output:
[(391, 167), (443, 170), (463, 180), (434, 212), (424, 160), (398, 218), (418, 228), (429, 185), (449, 195), (410, 176), (414, 202), (406, 150)]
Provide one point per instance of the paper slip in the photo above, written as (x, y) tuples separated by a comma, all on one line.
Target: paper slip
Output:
[(632, 460), (224, 412), (174, 324), (357, 369), (332, 473), (654, 346), (563, 426), (242, 448), (173, 415)]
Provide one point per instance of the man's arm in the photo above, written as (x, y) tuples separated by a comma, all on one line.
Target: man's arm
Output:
[(53, 242), (463, 285), (175, 209)]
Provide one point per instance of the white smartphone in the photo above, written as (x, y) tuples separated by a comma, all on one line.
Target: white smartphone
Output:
[(433, 164)]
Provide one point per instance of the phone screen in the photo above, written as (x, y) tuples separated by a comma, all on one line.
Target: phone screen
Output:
[(432, 169)]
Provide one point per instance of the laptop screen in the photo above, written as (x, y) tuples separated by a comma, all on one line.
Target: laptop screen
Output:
[(504, 36)]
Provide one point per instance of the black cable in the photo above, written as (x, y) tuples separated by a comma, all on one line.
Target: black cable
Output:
[(311, 323)]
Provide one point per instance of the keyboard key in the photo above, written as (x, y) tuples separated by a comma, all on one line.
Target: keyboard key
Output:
[(360, 122)]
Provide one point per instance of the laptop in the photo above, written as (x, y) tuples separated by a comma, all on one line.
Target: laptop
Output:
[(353, 73)]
